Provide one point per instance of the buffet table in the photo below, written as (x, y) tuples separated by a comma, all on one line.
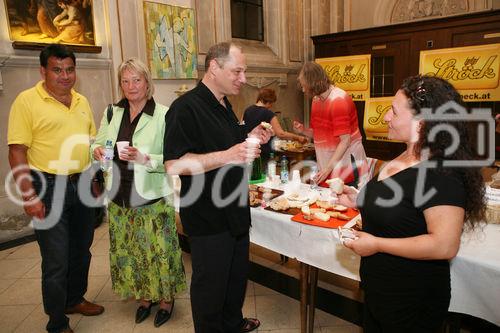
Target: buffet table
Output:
[(475, 272), (475, 275)]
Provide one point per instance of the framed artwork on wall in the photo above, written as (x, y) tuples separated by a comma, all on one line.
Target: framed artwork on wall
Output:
[(170, 41), (35, 23)]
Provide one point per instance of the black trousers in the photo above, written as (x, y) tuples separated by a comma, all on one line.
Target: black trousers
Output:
[(220, 268), (416, 311), (64, 247)]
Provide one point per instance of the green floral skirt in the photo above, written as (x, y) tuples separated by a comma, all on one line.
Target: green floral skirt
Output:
[(144, 252)]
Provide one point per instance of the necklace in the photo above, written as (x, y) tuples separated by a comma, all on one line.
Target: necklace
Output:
[(327, 95)]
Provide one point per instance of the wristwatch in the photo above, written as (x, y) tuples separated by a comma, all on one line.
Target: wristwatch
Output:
[(30, 198)]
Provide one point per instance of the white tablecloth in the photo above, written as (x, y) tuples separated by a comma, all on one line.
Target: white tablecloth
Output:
[(318, 247), (475, 275), (475, 272)]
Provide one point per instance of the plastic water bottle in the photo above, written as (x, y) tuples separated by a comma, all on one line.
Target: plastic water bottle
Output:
[(312, 176), (108, 156), (271, 167), (284, 169)]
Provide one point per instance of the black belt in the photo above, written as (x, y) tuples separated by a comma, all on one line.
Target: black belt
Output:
[(70, 178)]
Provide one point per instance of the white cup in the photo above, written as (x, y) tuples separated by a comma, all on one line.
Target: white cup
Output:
[(294, 187), (252, 143), (296, 176), (120, 146), (276, 181)]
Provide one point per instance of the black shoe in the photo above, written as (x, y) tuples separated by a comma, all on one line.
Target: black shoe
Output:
[(162, 316), (249, 324), (143, 312)]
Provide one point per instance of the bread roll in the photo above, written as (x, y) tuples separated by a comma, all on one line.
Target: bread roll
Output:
[(266, 125), (339, 216), (339, 208), (336, 185), (322, 216)]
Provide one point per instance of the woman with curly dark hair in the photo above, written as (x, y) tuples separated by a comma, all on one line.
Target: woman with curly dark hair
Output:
[(414, 210)]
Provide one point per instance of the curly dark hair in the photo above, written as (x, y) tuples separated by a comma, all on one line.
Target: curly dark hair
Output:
[(427, 94)]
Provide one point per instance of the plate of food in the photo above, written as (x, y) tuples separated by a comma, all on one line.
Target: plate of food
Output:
[(282, 205), (289, 145), (326, 215), (257, 193)]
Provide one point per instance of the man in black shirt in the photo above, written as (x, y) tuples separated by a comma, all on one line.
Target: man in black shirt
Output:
[(206, 146)]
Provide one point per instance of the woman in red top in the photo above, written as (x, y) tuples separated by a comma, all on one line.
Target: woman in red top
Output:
[(334, 127)]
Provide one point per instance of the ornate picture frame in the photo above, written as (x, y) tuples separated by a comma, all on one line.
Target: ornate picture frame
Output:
[(35, 23)]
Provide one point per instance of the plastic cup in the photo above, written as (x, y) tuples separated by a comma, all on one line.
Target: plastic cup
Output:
[(276, 180), (120, 146), (252, 143)]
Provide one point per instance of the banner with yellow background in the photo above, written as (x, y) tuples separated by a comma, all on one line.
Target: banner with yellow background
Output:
[(350, 73), (473, 70), (373, 122)]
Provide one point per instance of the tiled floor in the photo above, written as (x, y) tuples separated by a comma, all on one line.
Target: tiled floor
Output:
[(21, 308)]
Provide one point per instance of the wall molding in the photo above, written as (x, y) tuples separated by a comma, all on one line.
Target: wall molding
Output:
[(7, 60), (262, 80)]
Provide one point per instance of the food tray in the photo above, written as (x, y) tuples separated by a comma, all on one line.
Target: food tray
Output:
[(274, 194), (289, 211), (331, 223)]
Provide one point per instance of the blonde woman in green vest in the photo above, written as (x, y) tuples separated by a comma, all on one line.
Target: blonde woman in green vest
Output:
[(145, 256)]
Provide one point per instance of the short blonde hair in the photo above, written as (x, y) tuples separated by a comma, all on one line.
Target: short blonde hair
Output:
[(134, 64)]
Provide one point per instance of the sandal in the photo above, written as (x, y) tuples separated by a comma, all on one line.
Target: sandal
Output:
[(249, 324)]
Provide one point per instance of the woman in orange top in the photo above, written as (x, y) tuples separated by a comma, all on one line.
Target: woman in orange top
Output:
[(334, 127)]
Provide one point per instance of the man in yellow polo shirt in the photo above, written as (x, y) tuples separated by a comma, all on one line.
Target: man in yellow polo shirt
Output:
[(49, 131)]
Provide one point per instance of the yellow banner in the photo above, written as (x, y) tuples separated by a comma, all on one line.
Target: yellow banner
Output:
[(473, 70), (350, 73), (373, 122)]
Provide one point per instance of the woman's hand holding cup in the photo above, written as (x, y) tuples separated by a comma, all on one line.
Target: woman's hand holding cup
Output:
[(130, 153), (122, 151)]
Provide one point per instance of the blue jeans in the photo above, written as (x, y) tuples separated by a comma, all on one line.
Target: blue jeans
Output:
[(65, 248)]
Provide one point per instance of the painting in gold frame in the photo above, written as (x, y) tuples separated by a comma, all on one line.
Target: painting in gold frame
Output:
[(170, 41), (39, 22)]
